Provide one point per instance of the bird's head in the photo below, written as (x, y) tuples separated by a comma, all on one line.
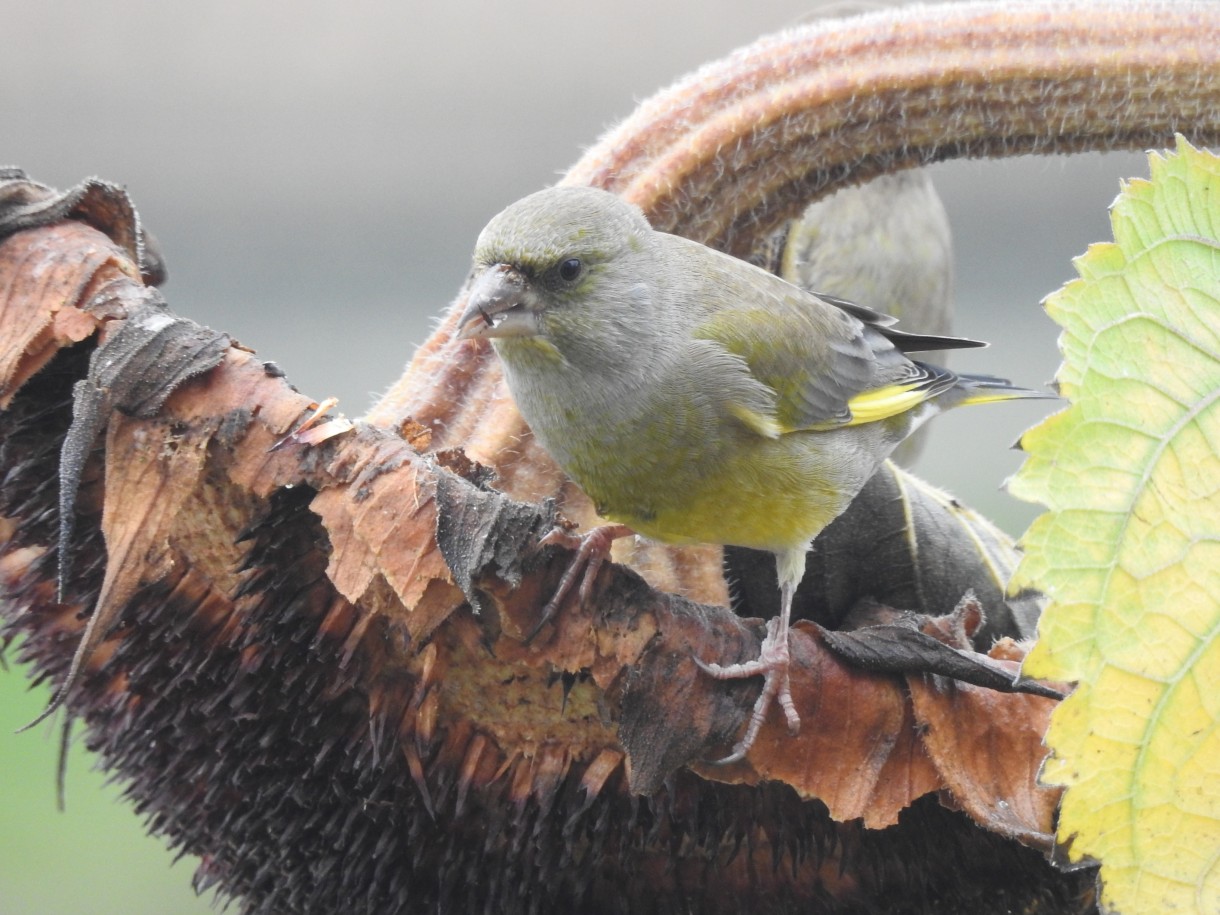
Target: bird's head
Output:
[(566, 268)]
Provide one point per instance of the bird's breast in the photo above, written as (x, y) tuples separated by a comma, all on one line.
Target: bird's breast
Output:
[(666, 459)]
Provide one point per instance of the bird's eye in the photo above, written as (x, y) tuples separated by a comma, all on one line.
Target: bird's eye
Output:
[(570, 269)]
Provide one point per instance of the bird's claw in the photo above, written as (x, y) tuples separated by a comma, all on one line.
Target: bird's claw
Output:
[(772, 664), (592, 550)]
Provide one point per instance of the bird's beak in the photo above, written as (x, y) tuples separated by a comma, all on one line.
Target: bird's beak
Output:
[(500, 304)]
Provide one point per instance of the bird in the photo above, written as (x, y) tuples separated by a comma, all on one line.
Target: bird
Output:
[(694, 397)]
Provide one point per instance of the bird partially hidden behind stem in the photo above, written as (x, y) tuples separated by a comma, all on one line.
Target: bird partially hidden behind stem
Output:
[(694, 397)]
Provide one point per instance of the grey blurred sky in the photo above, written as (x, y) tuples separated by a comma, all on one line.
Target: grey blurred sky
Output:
[(317, 174)]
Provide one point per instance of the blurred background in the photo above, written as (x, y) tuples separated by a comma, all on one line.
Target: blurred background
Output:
[(317, 174)]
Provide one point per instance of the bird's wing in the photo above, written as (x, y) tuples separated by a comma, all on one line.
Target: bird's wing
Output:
[(827, 366)]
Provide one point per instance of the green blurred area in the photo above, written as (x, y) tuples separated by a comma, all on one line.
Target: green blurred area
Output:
[(95, 856)]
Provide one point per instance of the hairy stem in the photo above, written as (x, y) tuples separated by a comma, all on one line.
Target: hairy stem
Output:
[(728, 152)]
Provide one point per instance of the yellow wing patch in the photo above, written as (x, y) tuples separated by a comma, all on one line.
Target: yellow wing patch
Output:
[(882, 403), (896, 399), (868, 407)]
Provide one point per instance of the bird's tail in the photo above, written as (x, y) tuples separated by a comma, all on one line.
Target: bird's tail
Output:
[(990, 389)]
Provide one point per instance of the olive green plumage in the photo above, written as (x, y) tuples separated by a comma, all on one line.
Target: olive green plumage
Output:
[(694, 397)]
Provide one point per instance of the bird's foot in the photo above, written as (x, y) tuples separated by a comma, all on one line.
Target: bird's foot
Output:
[(772, 664), (592, 549)]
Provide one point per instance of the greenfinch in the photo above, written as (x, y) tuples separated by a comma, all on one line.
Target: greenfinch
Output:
[(694, 397)]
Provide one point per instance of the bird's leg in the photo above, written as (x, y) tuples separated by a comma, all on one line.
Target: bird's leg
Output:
[(591, 548), (772, 664)]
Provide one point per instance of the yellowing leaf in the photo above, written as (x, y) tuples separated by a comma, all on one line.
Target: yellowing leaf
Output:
[(1129, 551)]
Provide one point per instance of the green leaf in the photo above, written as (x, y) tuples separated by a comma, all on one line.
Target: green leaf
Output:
[(1129, 551)]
